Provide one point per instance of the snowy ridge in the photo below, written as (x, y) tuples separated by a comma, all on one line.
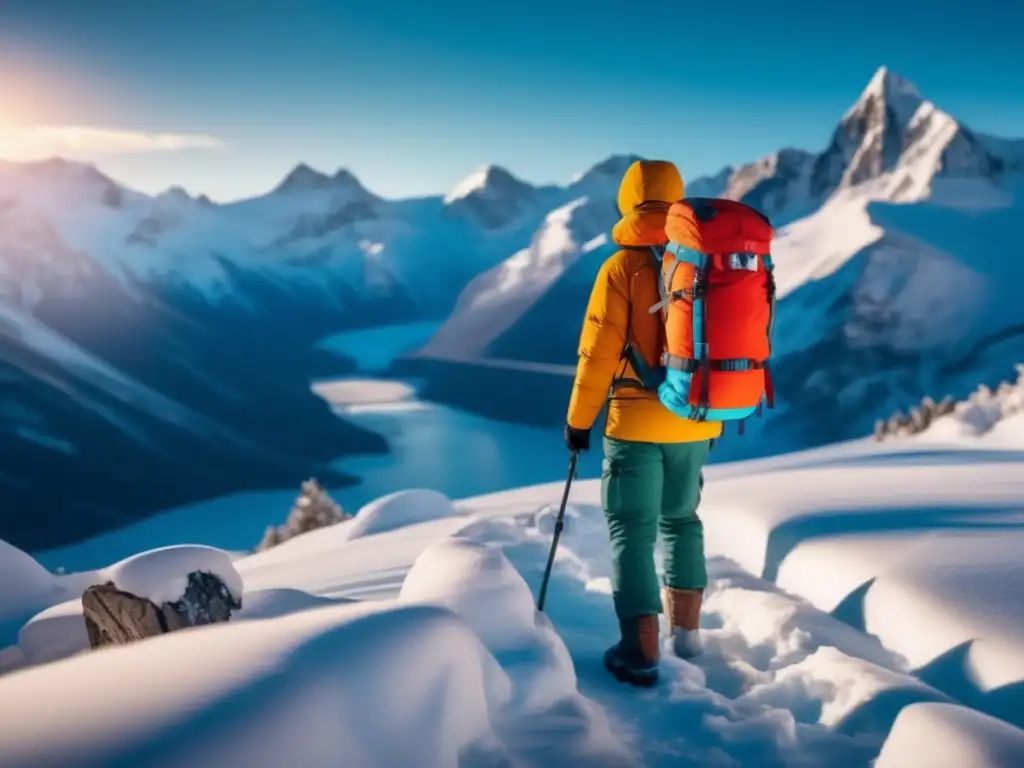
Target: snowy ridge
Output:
[(491, 197), (840, 626), (603, 177), (894, 135), (488, 180), (496, 298), (86, 224), (891, 145), (891, 136), (882, 304)]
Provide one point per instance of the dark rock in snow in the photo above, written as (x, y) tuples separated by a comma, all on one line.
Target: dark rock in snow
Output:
[(115, 617)]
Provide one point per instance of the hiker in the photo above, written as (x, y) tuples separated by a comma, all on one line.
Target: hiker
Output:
[(652, 477)]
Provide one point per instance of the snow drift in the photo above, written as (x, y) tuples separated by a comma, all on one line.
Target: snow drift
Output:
[(877, 605), (314, 681), (57, 630)]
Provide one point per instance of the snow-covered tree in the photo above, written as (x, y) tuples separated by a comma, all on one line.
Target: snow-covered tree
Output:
[(314, 508), (981, 411), (271, 538), (920, 418)]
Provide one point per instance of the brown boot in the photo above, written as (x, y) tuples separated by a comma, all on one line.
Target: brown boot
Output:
[(682, 610), (634, 659)]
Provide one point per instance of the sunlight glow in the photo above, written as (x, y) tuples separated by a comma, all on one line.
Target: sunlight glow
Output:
[(29, 142)]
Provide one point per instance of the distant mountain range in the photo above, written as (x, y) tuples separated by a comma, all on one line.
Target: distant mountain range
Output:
[(158, 349), (895, 279)]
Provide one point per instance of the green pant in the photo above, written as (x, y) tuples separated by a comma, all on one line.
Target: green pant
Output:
[(646, 487)]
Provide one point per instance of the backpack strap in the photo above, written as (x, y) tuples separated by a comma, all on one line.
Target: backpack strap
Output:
[(646, 380), (769, 384), (701, 356), (688, 365), (701, 353)]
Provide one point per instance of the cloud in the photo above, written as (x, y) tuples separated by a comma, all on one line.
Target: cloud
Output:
[(38, 141)]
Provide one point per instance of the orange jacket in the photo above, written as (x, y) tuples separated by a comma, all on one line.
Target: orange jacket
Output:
[(625, 289)]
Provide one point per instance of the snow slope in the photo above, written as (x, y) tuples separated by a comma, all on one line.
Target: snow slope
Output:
[(497, 298), (864, 603), (56, 629), (926, 305)]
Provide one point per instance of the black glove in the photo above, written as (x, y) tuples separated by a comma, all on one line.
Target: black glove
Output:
[(577, 439)]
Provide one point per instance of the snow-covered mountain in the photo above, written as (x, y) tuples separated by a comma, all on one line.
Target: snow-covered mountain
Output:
[(211, 310), (892, 274), (491, 197), (891, 136), (497, 298)]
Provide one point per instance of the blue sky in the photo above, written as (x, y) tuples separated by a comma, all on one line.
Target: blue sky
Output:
[(411, 96)]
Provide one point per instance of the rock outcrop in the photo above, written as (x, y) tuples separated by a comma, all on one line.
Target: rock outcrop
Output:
[(115, 617)]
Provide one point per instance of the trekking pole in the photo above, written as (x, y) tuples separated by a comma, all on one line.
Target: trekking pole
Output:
[(558, 530)]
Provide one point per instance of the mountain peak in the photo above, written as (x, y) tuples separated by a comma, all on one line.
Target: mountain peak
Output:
[(872, 136), (490, 195), (488, 180), (887, 81), (346, 177), (56, 174), (57, 168), (610, 169), (890, 91), (302, 178), (176, 193)]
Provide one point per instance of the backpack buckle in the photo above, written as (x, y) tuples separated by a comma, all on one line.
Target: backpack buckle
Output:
[(700, 287), (743, 260)]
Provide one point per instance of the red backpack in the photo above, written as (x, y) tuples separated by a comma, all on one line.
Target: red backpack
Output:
[(718, 304)]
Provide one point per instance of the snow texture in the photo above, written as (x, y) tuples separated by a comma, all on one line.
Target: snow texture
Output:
[(55, 633), (161, 575), (863, 603), (399, 509), (24, 583), (947, 736), (498, 297), (57, 629)]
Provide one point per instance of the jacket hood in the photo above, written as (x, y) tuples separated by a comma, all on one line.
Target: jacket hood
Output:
[(648, 189), (648, 181)]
